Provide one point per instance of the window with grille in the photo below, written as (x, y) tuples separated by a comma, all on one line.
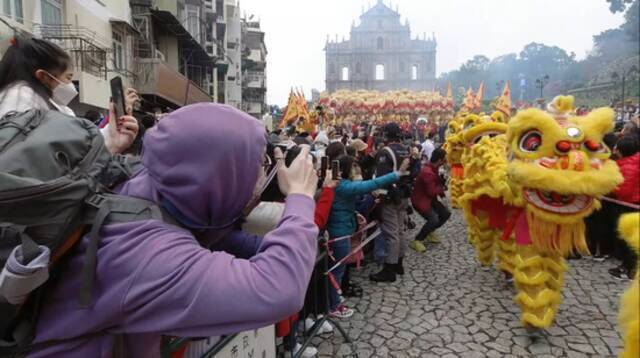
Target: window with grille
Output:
[(192, 20), (414, 72), (51, 12), (13, 9), (118, 51)]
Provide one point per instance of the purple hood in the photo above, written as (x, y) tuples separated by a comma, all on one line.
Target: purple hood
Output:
[(155, 279), (212, 177)]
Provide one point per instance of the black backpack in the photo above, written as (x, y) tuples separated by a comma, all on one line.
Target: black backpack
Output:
[(55, 175)]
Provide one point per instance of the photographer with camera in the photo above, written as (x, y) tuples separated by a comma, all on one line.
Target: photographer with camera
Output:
[(395, 201), (265, 217), (199, 276)]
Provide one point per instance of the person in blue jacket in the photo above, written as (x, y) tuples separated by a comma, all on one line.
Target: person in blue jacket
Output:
[(342, 219)]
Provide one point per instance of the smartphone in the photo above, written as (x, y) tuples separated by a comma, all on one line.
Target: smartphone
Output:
[(324, 165), (117, 96), (335, 170)]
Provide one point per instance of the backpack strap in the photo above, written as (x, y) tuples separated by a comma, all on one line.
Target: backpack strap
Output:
[(393, 157), (30, 249), (111, 209)]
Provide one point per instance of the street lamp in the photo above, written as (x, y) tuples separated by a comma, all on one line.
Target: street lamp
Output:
[(541, 82), (628, 73)]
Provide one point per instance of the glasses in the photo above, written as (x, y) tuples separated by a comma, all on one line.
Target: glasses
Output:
[(267, 162)]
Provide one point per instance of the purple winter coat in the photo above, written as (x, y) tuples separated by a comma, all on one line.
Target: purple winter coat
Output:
[(154, 279)]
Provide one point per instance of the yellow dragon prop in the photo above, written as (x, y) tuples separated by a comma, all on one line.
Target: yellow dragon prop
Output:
[(561, 167)]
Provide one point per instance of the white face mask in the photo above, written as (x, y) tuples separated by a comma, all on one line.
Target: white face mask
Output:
[(63, 93)]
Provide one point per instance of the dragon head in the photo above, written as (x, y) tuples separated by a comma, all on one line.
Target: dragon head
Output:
[(562, 166)]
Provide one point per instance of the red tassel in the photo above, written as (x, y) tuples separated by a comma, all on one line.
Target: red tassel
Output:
[(13, 41)]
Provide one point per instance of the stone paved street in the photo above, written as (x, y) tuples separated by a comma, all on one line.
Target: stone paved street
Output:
[(447, 306)]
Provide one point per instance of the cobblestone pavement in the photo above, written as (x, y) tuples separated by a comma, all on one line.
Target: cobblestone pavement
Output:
[(448, 306)]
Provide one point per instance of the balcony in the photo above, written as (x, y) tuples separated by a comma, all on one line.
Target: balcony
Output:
[(87, 49), (157, 79), (165, 22), (253, 80)]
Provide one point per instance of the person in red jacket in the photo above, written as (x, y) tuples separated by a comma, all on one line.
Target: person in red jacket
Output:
[(628, 150), (427, 188), (629, 164)]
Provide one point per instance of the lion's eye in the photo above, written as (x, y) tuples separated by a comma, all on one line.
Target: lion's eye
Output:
[(530, 141), (593, 145)]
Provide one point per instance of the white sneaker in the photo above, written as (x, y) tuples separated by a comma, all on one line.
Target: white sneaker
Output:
[(309, 352), (325, 328)]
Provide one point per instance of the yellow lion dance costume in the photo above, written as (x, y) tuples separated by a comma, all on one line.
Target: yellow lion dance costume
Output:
[(561, 167), (485, 186), (454, 147), (629, 228)]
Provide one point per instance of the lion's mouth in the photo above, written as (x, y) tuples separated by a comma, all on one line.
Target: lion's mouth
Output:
[(557, 203)]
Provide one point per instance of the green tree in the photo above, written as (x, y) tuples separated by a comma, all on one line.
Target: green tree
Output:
[(631, 26), (616, 6)]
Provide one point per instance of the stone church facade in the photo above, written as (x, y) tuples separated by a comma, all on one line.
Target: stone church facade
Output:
[(381, 55)]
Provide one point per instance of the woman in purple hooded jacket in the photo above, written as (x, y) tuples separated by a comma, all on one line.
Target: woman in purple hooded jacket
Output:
[(154, 279)]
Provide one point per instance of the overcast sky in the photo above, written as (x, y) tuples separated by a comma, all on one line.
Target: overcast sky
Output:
[(296, 31)]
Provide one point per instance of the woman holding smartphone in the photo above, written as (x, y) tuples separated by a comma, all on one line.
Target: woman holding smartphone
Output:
[(37, 74)]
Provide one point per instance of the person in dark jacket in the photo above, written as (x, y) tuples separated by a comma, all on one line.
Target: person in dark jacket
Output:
[(426, 190), (394, 206)]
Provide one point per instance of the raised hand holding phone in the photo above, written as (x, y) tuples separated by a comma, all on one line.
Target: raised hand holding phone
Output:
[(121, 131), (300, 177)]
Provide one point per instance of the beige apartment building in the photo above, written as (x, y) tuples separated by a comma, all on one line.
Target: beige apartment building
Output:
[(175, 52)]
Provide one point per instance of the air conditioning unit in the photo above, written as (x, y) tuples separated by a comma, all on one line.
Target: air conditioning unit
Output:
[(160, 55)]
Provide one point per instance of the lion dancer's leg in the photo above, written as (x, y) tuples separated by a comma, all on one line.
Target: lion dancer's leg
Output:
[(538, 278), (506, 255), (486, 243), (455, 190)]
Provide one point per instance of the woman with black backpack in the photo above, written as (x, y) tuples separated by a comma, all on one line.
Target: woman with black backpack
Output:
[(37, 74)]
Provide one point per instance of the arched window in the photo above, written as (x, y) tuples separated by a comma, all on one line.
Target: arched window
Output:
[(414, 72), (358, 69), (379, 72), (345, 73), (380, 45)]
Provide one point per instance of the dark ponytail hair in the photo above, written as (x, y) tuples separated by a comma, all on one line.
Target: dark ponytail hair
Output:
[(346, 164), (27, 55)]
